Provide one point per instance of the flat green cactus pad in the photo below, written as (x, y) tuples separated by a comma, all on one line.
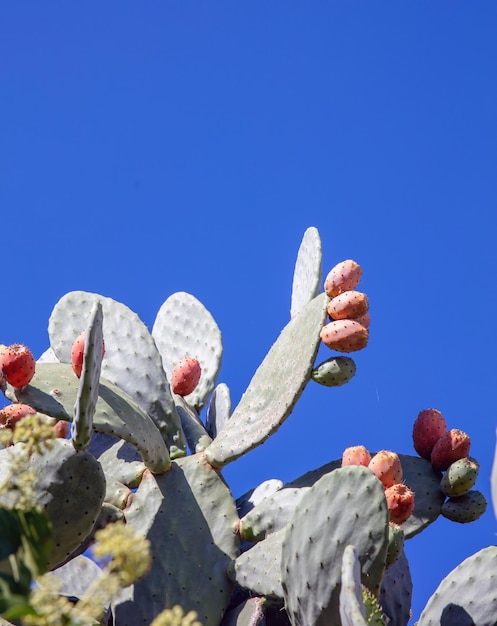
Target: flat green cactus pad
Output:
[(467, 595), (131, 361), (189, 516), (275, 387), (184, 327), (344, 507), (259, 569), (53, 391)]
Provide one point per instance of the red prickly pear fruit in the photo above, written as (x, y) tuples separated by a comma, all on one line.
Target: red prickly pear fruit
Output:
[(61, 429), (77, 352), (363, 320), (386, 466), (356, 455), (185, 376), (17, 364), (428, 427), (11, 414), (348, 305), (400, 503), (452, 446), (344, 336), (343, 277)]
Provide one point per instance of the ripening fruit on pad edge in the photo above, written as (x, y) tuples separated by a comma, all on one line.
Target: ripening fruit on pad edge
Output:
[(343, 277), (428, 427), (400, 502), (344, 336), (77, 353), (17, 364), (185, 376)]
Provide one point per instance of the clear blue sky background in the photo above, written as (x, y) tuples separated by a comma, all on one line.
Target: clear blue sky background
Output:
[(148, 148)]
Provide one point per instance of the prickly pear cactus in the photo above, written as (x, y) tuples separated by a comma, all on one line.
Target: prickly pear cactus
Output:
[(320, 549)]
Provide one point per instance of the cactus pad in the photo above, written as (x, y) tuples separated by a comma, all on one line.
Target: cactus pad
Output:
[(275, 387)]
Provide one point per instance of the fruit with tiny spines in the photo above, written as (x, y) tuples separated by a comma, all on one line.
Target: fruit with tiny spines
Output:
[(17, 364), (452, 446), (343, 277), (356, 455), (185, 376), (460, 477), (363, 320), (12, 413), (400, 502), (334, 372), (77, 353), (386, 466), (466, 508), (344, 336), (428, 427), (348, 305)]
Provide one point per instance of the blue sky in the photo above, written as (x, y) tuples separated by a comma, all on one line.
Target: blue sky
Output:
[(148, 149)]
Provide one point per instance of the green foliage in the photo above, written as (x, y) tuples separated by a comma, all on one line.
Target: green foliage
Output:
[(173, 546)]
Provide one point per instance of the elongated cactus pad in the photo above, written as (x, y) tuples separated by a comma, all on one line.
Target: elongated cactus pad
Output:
[(86, 401), (189, 516), (308, 271), (127, 342), (53, 391), (219, 410), (185, 328), (346, 506), (396, 592), (275, 387), (248, 613), (352, 611)]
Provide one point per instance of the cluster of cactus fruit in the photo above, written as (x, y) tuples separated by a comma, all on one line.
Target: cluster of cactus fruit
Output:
[(150, 432)]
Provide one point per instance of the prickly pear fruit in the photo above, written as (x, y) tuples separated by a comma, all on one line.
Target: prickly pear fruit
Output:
[(348, 305), (61, 428), (460, 477), (12, 413), (466, 508), (185, 376), (343, 277), (395, 543), (428, 427), (452, 446), (17, 364), (400, 502), (356, 455), (334, 372), (344, 336), (386, 466), (363, 320), (77, 352)]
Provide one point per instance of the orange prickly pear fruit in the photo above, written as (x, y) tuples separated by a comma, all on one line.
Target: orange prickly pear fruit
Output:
[(17, 364), (343, 277), (185, 376), (452, 446), (348, 305), (363, 320), (12, 413), (428, 427), (400, 502), (344, 336), (386, 466), (356, 455), (77, 351), (61, 429)]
